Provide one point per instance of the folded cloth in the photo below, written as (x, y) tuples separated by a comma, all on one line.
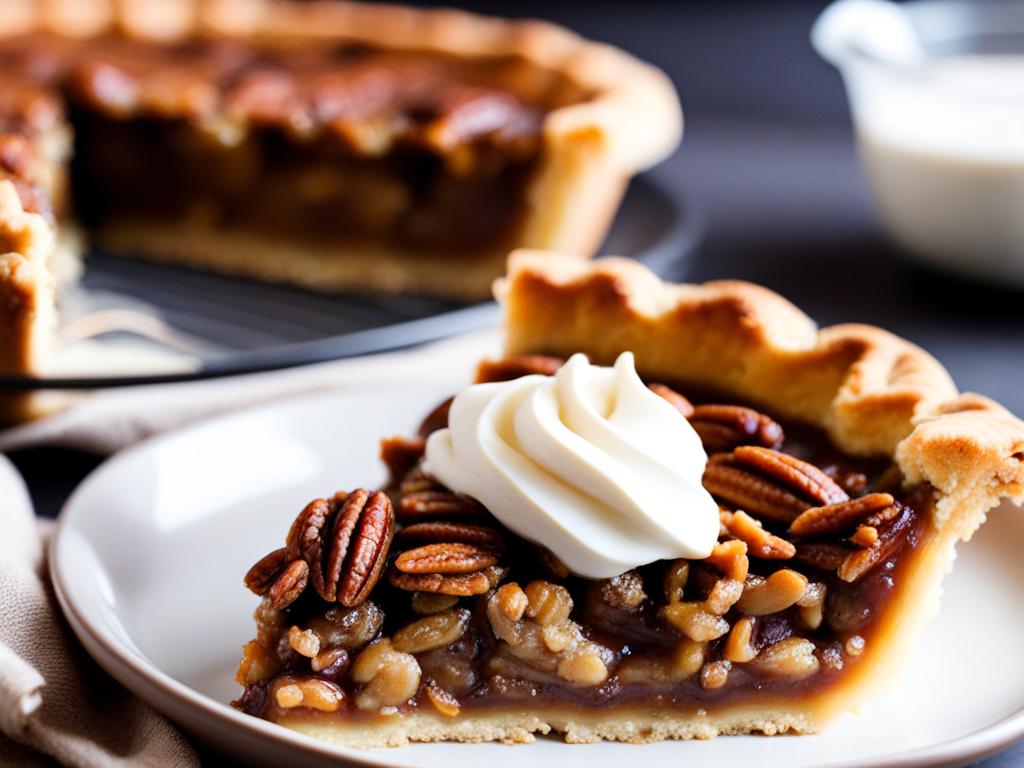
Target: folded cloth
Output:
[(111, 419), (55, 702)]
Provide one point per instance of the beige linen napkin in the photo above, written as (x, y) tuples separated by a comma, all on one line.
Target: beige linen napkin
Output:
[(54, 701)]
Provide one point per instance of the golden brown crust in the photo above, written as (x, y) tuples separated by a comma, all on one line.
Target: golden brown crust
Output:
[(576, 727)]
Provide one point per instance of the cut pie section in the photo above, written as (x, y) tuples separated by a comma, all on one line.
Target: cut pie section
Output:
[(330, 145), (846, 468)]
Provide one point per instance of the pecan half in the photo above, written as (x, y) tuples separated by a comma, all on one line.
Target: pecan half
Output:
[(746, 490), (681, 404), (835, 518), (289, 584), (262, 575), (340, 545), (360, 539), (445, 558), (516, 366), (800, 476), (724, 427), (460, 585), (442, 531), (434, 503)]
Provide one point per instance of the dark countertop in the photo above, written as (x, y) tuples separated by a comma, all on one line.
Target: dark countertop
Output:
[(769, 164)]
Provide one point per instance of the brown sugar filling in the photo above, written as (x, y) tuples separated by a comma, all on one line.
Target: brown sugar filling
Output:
[(316, 142), (468, 617)]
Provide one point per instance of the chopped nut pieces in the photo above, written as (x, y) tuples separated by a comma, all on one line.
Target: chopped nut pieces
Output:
[(762, 596), (431, 632), (760, 543), (792, 658), (389, 677), (313, 692), (443, 701)]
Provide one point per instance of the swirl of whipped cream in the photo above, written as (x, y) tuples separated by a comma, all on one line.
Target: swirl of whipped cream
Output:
[(588, 463)]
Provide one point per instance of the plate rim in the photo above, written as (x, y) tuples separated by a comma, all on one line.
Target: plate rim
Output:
[(156, 688)]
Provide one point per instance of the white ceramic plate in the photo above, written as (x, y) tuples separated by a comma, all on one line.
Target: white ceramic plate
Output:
[(151, 549)]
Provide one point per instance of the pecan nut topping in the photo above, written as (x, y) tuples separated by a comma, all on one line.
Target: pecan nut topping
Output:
[(801, 476), (724, 427), (446, 558), (340, 545), (421, 504), (459, 585), (444, 531), (835, 518), (773, 484), (289, 584), (360, 540), (745, 490)]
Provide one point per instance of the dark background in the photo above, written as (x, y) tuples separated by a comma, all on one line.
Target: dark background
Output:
[(768, 168)]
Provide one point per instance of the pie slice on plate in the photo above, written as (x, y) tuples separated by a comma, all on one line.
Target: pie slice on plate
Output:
[(670, 511), (329, 144)]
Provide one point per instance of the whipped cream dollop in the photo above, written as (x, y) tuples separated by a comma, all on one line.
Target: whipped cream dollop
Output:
[(589, 463)]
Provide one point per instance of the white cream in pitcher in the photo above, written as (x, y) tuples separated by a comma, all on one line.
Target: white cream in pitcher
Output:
[(589, 463), (950, 181)]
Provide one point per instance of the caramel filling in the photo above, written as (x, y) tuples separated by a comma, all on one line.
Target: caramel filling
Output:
[(467, 617)]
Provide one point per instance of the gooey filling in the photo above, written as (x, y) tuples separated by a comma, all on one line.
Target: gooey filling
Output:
[(418, 598)]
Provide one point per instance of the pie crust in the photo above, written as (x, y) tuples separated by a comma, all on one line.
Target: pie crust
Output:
[(868, 393), (626, 119)]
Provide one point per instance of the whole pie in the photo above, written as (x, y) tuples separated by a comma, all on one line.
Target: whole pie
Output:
[(669, 511), (328, 144)]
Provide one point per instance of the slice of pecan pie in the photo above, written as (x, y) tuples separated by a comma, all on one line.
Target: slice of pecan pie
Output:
[(330, 144), (740, 526)]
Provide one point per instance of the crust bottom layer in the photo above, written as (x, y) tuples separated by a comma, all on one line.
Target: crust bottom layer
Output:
[(521, 727), (325, 267)]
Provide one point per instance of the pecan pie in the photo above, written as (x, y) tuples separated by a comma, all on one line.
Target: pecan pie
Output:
[(841, 469), (329, 144)]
